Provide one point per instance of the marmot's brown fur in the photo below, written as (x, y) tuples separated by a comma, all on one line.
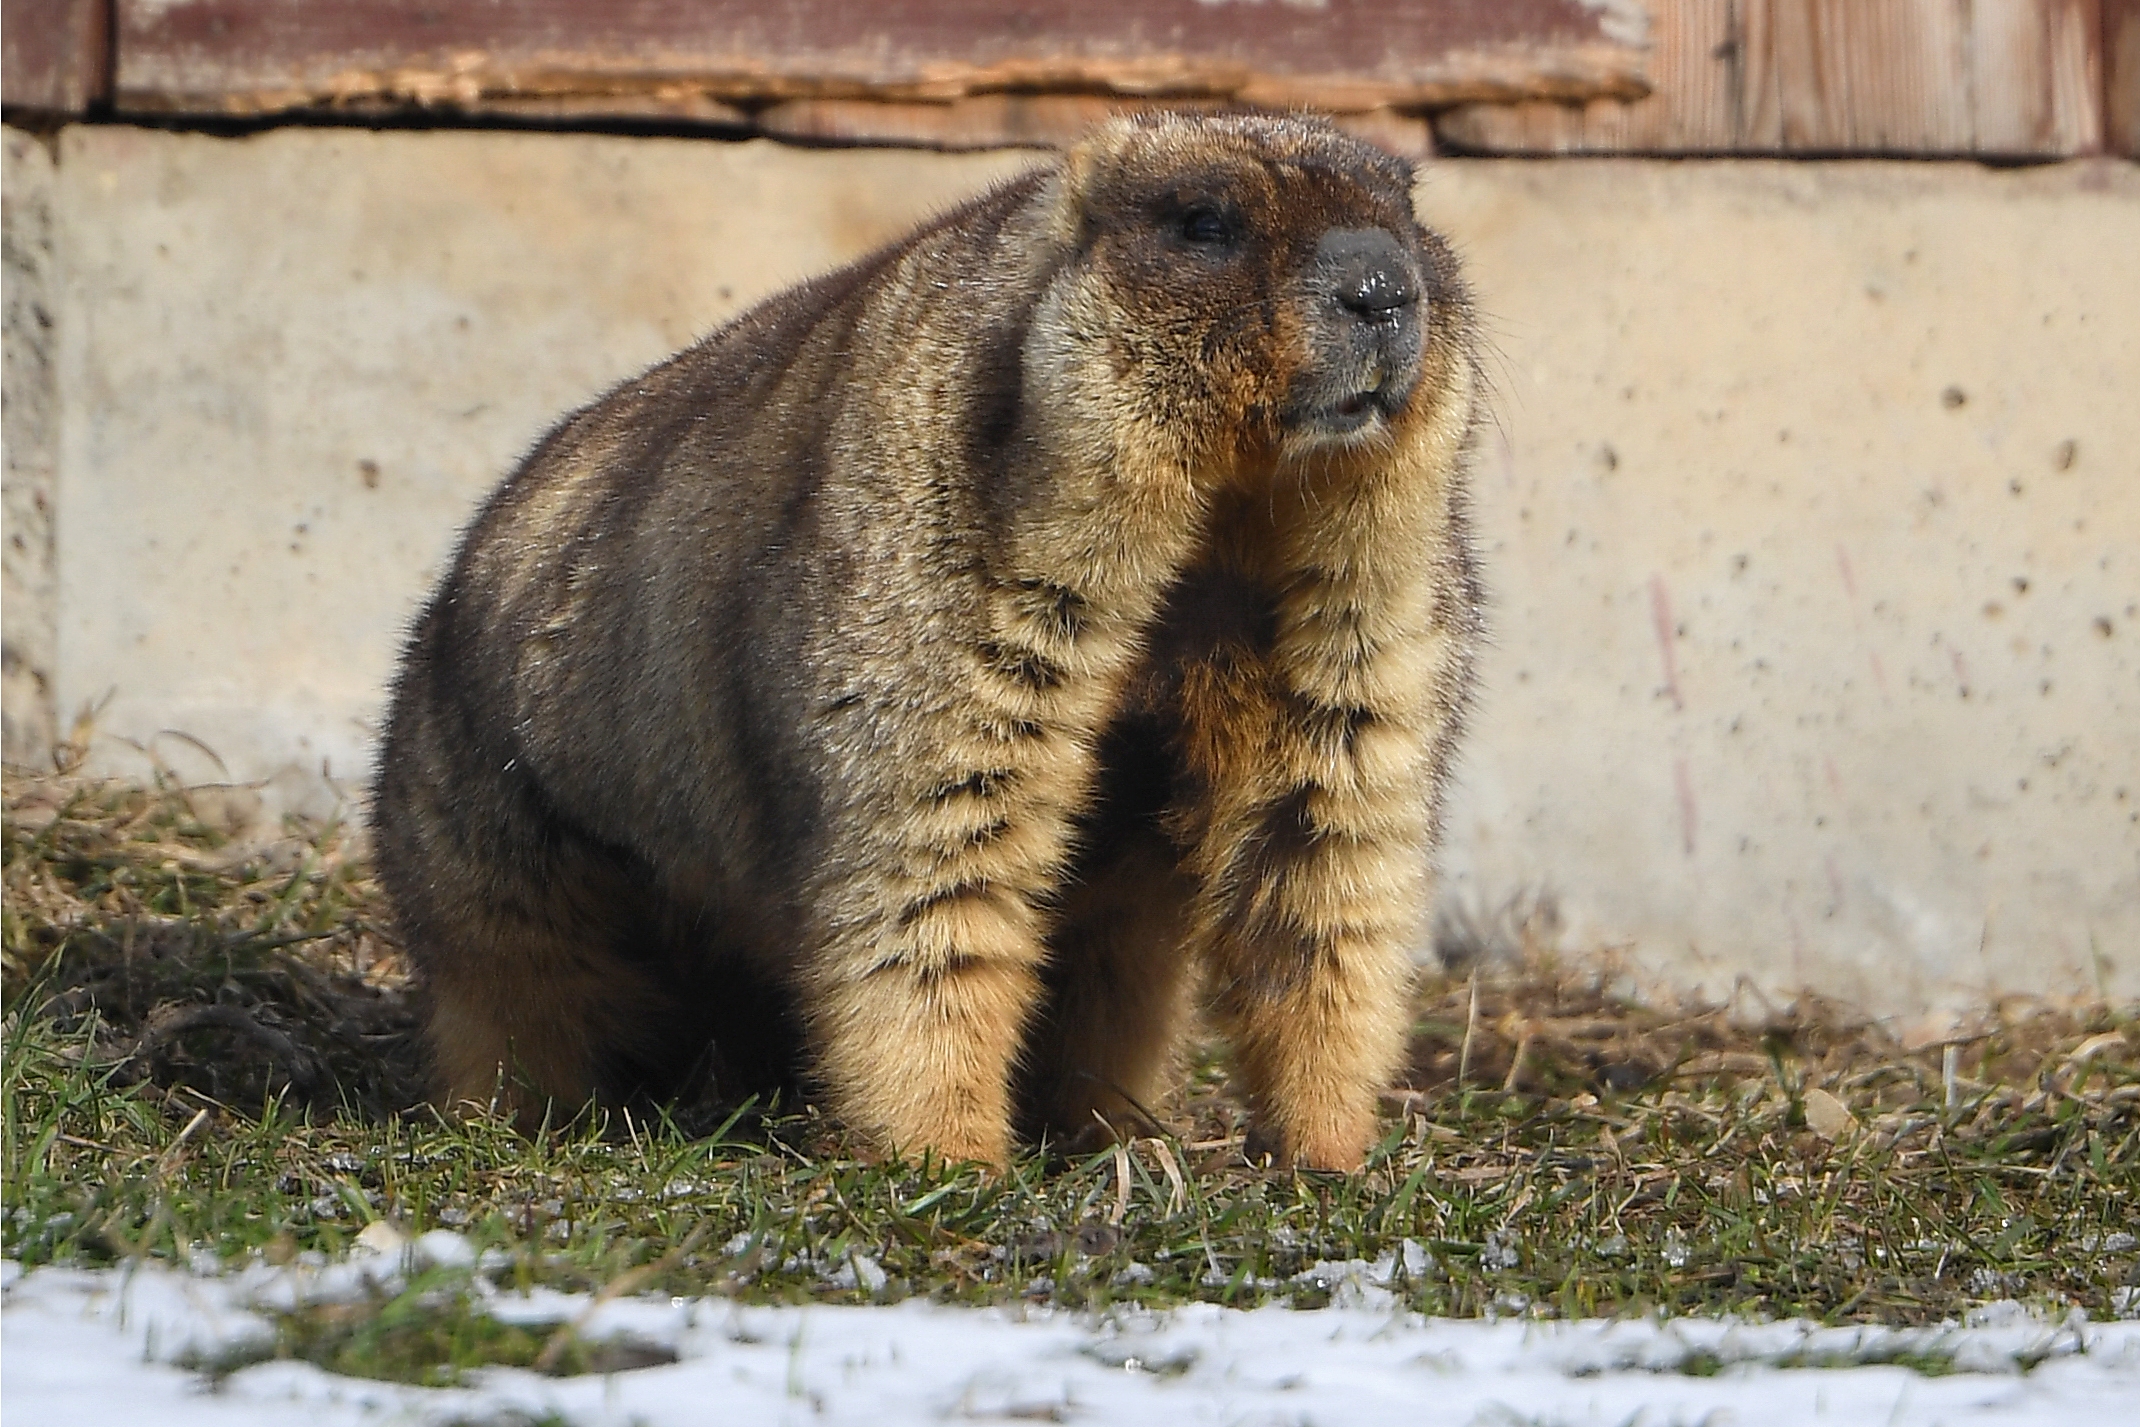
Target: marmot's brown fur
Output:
[(908, 690)]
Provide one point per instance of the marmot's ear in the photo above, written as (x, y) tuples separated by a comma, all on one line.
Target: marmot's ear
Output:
[(1085, 166), (1059, 205)]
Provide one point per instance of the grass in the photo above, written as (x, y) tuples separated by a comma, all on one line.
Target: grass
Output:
[(433, 1330), (210, 1048)]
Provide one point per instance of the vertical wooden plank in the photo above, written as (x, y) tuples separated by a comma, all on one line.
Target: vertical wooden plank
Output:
[(2009, 63), (1932, 111), (1857, 76), (2076, 76), (1936, 76), (1760, 96), (1804, 88), (1691, 107), (55, 55), (2121, 77), (1698, 55), (1874, 76), (2035, 76)]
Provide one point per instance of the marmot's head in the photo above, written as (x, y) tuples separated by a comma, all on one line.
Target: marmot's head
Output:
[(1256, 286)]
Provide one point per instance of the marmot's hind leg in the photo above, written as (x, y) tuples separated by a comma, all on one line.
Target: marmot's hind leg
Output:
[(736, 1033), (510, 1024), (584, 1008), (1101, 1056), (488, 1056), (535, 959)]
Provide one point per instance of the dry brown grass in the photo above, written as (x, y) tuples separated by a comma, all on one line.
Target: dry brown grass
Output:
[(238, 969)]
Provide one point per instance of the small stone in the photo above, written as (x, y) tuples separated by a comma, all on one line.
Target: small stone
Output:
[(1409, 1261), (380, 1237), (859, 1272), (1094, 1238), (1827, 1116), (1349, 1282)]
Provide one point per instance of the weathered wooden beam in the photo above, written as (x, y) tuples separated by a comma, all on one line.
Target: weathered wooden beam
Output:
[(2037, 68), (2121, 77), (2018, 78), (978, 121), (266, 56), (987, 121), (55, 55)]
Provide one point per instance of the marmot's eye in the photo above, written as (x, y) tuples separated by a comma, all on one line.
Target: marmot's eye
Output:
[(1207, 227)]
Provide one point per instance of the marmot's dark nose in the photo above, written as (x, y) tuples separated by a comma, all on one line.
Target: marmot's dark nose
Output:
[(1368, 272)]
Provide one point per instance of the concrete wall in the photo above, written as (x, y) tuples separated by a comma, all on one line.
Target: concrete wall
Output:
[(1814, 522), (1812, 512), (28, 437)]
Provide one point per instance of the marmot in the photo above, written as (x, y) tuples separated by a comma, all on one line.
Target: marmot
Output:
[(916, 688)]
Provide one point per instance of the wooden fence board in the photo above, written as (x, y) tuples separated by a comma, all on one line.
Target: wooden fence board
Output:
[(2121, 76), (986, 121), (264, 56), (2049, 71), (1997, 77), (54, 54)]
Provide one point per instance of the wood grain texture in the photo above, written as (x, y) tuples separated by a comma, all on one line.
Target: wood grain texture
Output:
[(1694, 78), (990, 121), (2121, 77), (978, 121), (2044, 63), (54, 54), (263, 56), (2020, 78)]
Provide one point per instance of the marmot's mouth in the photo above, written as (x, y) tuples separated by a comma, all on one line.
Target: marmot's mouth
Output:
[(1345, 422), (1346, 416), (1352, 413)]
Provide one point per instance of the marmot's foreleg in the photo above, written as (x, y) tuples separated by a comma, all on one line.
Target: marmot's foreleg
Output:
[(918, 1056), (1312, 850), (932, 972)]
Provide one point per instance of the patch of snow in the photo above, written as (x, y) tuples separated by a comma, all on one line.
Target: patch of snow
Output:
[(441, 1248), (859, 1271), (115, 1345)]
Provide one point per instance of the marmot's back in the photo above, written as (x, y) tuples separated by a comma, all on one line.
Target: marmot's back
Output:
[(912, 680)]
